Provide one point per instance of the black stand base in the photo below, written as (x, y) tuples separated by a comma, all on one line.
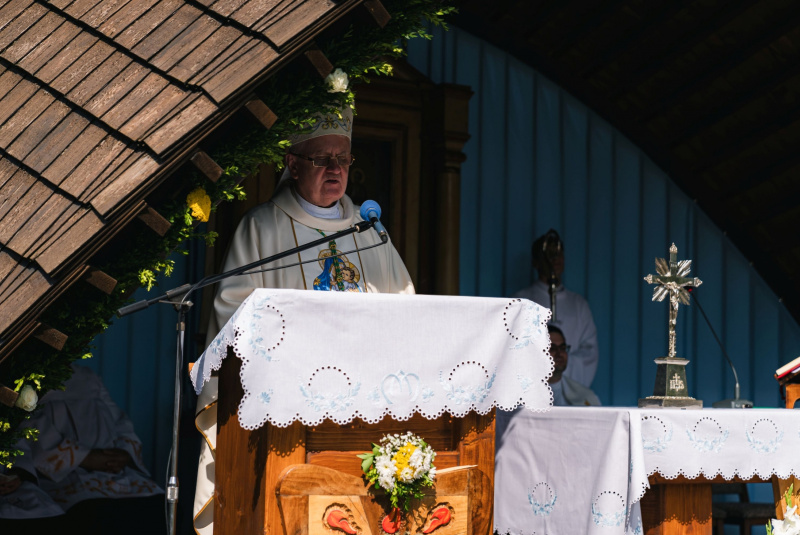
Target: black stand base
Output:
[(670, 390)]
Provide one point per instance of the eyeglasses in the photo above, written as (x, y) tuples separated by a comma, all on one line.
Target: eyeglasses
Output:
[(325, 161), (564, 348)]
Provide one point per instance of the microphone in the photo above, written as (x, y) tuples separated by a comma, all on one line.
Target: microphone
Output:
[(551, 248), (736, 402), (370, 211)]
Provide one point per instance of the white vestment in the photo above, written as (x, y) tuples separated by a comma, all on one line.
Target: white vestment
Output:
[(71, 424), (574, 318), (567, 392), (274, 227)]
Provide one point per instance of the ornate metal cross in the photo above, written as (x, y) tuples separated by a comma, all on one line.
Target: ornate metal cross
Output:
[(672, 280)]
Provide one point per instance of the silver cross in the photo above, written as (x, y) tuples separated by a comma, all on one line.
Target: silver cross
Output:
[(671, 280)]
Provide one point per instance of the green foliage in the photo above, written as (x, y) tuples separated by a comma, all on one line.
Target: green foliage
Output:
[(82, 314)]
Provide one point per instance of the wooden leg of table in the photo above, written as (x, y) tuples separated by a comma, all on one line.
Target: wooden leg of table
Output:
[(779, 488), (677, 510), (792, 395)]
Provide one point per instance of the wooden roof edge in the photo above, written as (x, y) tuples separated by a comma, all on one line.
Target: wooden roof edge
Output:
[(76, 267), (28, 323), (343, 8)]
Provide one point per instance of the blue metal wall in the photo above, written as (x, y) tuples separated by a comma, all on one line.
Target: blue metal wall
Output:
[(538, 159)]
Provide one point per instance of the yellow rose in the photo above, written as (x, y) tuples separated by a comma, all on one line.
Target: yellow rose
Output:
[(200, 203)]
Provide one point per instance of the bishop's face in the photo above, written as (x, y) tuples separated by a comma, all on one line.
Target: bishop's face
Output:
[(321, 186)]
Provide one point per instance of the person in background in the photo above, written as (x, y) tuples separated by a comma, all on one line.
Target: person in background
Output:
[(573, 315), (87, 461), (566, 392), (309, 203)]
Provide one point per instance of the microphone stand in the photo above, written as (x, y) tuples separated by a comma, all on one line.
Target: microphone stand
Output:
[(552, 289), (177, 298), (734, 403)]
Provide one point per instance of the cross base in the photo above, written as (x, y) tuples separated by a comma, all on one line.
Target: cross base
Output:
[(666, 402), (671, 386)]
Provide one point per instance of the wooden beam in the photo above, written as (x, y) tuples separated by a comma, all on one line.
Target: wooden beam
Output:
[(318, 60), (18, 336), (737, 143), (100, 280), (261, 112), (50, 336), (756, 88), (649, 61), (7, 396), (708, 75), (593, 17), (206, 165), (632, 40), (154, 220), (377, 11)]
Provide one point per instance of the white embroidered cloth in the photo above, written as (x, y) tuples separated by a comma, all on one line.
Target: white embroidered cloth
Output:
[(311, 356), (584, 470)]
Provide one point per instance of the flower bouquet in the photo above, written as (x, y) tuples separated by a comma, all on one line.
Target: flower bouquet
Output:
[(401, 465), (790, 525)]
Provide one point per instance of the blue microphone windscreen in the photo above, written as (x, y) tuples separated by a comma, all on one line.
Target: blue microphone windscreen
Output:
[(370, 206)]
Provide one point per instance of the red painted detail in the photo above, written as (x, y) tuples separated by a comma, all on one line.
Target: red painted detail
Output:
[(391, 523), (337, 520), (439, 517)]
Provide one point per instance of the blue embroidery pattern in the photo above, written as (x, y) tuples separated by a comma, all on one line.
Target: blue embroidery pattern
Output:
[(638, 529), (542, 502), (427, 394), (532, 320), (266, 397), (467, 394), (764, 445), (254, 338), (656, 435), (605, 512), (707, 440), (525, 382), (374, 396), (338, 393), (400, 385), (330, 403)]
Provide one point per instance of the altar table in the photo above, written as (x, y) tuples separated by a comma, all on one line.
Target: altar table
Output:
[(597, 470)]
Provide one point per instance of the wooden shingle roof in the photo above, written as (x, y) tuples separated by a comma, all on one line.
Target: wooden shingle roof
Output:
[(100, 100)]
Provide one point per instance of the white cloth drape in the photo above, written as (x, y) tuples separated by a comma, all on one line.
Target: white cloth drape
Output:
[(311, 356), (584, 470)]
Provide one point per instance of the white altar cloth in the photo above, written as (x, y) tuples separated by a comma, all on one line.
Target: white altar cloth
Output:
[(584, 470), (311, 356)]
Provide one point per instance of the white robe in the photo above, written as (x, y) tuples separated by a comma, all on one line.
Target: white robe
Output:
[(73, 422), (574, 318), (270, 228), (567, 392)]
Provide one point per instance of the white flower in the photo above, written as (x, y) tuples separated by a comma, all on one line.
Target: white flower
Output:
[(337, 80), (406, 475), (790, 525), (27, 399)]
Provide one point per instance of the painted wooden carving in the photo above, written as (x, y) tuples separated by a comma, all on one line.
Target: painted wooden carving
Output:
[(316, 500)]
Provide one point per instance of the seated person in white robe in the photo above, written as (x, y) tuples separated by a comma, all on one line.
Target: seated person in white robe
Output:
[(88, 460), (309, 203), (566, 392)]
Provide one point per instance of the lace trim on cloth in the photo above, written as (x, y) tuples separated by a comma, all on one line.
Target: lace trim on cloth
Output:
[(312, 356), (720, 442)]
